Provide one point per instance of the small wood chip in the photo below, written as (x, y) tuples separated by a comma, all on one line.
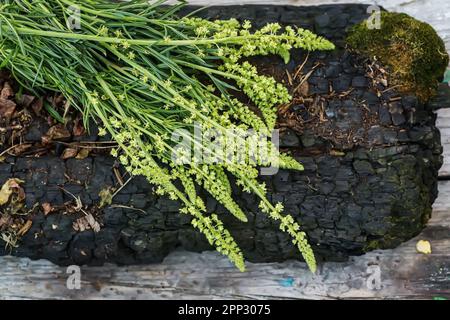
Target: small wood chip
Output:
[(86, 223), (25, 228), (337, 153), (93, 223)]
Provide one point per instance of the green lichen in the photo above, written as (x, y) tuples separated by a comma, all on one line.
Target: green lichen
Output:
[(411, 49)]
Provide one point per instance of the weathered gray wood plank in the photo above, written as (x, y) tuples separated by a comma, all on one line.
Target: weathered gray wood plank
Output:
[(403, 272), (442, 203), (443, 123)]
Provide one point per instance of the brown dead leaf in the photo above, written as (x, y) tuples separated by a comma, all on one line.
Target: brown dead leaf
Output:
[(7, 91), (69, 153), (15, 185), (57, 132), (7, 190), (37, 106), (47, 208), (78, 128), (5, 220), (26, 100), (303, 89), (20, 194), (25, 228), (83, 154), (7, 108), (19, 149)]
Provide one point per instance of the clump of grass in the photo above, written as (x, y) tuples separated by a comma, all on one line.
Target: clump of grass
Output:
[(412, 50), (134, 68)]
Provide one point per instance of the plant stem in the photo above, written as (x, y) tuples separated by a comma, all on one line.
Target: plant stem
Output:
[(143, 42)]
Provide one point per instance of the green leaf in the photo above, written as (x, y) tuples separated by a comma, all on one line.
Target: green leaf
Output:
[(53, 113), (286, 55)]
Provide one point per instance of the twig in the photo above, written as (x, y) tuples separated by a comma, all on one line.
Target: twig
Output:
[(289, 78), (301, 66), (127, 207), (118, 176), (306, 77), (121, 187), (77, 200), (79, 145), (9, 149)]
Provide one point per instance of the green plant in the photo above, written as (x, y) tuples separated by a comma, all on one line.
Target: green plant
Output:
[(144, 74)]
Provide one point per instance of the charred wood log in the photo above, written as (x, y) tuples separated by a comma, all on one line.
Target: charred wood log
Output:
[(371, 160)]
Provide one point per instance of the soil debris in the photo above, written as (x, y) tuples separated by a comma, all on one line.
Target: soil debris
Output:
[(87, 222)]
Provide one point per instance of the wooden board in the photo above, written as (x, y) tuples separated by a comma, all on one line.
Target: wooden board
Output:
[(403, 273), (443, 123)]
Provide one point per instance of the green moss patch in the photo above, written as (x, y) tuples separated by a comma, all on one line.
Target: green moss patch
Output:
[(411, 49)]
